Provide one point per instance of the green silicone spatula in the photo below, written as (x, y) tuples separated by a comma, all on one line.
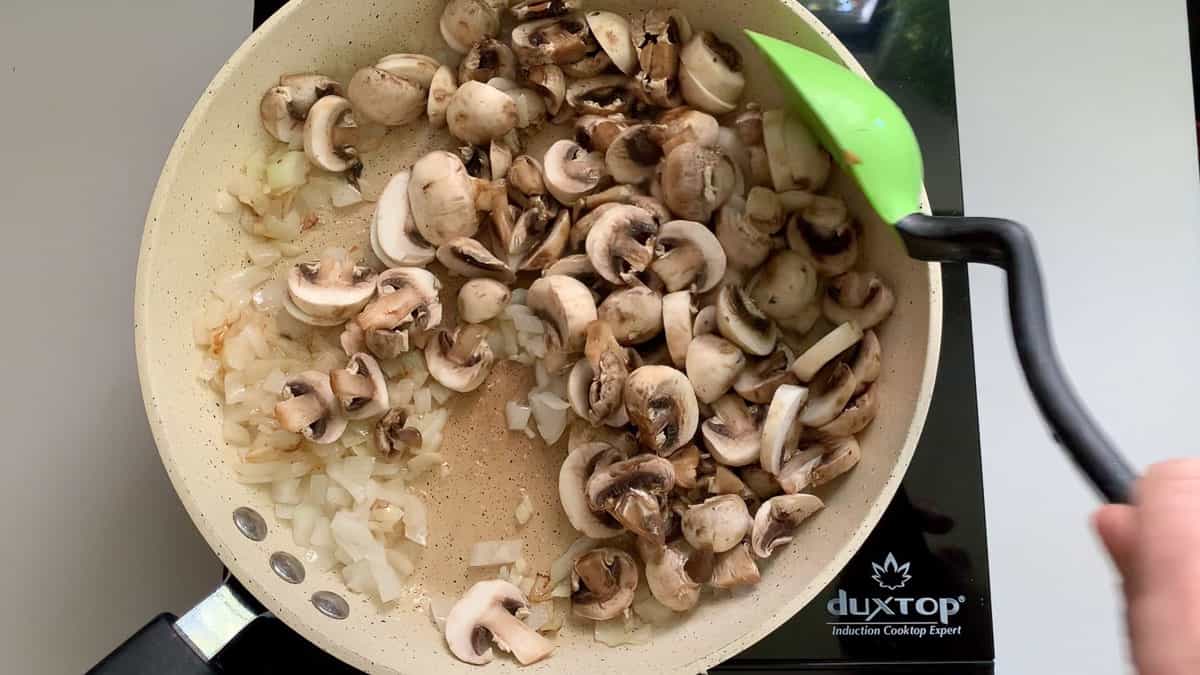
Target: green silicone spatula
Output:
[(870, 139)]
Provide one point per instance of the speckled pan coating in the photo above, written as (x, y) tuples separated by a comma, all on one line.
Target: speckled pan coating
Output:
[(186, 244)]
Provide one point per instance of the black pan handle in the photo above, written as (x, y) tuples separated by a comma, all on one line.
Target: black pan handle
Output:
[(1008, 245)]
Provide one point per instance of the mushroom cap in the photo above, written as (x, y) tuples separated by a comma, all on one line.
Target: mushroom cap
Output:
[(604, 581), (459, 360), (486, 59), (308, 407), (481, 300), (567, 306), (631, 491), (662, 405), (633, 156), (760, 481), (480, 113), (406, 309), (394, 236), (741, 322), (469, 258), (861, 297), (284, 108), (835, 342), (712, 364), (686, 461), (733, 434), (828, 394), (325, 115), (570, 171), (797, 160), (677, 316), (579, 386), (667, 575), (549, 81), (797, 472), (487, 612), (759, 380), (597, 132), (841, 455), (441, 196), (858, 413), (361, 388), (696, 181), (706, 321), (735, 567), (744, 244), (532, 10), (777, 519), (718, 524), (710, 74), (573, 475), (441, 90), (550, 245), (576, 265), (594, 63), (386, 98), (621, 243), (824, 233), (465, 22), (611, 31), (784, 408), (689, 124), (868, 361), (392, 436), (559, 40), (634, 313), (601, 95), (329, 290), (785, 286), (692, 257)]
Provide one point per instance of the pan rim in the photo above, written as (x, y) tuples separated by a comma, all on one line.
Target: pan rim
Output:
[(276, 604)]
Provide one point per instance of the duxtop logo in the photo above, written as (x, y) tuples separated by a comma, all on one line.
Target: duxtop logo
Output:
[(893, 615), (891, 576)]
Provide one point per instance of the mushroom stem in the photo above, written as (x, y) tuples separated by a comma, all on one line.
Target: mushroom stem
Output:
[(513, 635), (584, 167), (348, 385), (298, 413), (468, 339)]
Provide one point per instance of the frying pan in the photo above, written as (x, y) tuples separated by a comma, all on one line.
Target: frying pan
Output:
[(186, 245)]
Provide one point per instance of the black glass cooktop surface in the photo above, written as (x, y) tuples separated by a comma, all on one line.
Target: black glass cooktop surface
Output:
[(916, 597)]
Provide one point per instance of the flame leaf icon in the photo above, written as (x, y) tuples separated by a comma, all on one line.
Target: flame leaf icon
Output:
[(891, 575)]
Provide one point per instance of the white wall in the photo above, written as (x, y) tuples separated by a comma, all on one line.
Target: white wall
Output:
[(1077, 121)]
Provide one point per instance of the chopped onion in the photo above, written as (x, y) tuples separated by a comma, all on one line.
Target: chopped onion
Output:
[(550, 413), (524, 510), (534, 344), (286, 228), (512, 344), (344, 194), (209, 368), (318, 559), (651, 610), (225, 203), (318, 483), (235, 434), (304, 518), (385, 469), (400, 392), (286, 491), (517, 415), (287, 172), (260, 472), (338, 497), (540, 377), (439, 608), (562, 590), (525, 320), (421, 464), (322, 533), (440, 394), (432, 422), (284, 511), (239, 282), (352, 535), (490, 553), (283, 440), (358, 577), (387, 581), (618, 631), (288, 249), (352, 473), (422, 401), (356, 433), (274, 382), (519, 295), (262, 254), (416, 519), (560, 569), (201, 334)]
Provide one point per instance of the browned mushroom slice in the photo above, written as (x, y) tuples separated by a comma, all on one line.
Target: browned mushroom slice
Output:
[(621, 243), (662, 405), (828, 394), (360, 387), (840, 456), (825, 233), (741, 321), (487, 58), (579, 466), (860, 297), (733, 435), (634, 313), (391, 435), (559, 40), (735, 567), (712, 365), (487, 612), (696, 181), (309, 408), (777, 520), (603, 582), (691, 257), (854, 418), (632, 491), (460, 360), (759, 380), (571, 172), (469, 258), (328, 291), (669, 573), (567, 307), (718, 524)]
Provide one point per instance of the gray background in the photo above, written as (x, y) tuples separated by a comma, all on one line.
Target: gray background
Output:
[(1074, 119)]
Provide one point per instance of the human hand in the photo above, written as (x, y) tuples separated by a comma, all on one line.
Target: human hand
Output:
[(1155, 544)]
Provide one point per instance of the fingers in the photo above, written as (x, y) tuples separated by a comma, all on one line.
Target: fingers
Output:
[(1117, 526), (1168, 527)]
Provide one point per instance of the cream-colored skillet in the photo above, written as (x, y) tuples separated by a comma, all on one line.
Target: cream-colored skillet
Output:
[(186, 245)]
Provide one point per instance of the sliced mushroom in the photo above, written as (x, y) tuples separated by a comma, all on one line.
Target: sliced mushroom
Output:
[(284, 108), (761, 482), (662, 405), (828, 394), (580, 385), (441, 91), (777, 519), (825, 233), (803, 322), (441, 195), (601, 95), (712, 364), (633, 156), (735, 567), (631, 491), (677, 312), (785, 286), (667, 574), (597, 132), (393, 437), (405, 312), (689, 256), (467, 257), (796, 474), (360, 387), (607, 364), (796, 159), (486, 59), (578, 266), (395, 239), (686, 461), (758, 382), (861, 297), (558, 40), (465, 22), (724, 481), (460, 360), (593, 63), (745, 245), (549, 81), (329, 290), (479, 113), (309, 408), (532, 10), (658, 35), (710, 74), (696, 181), (867, 361), (579, 466), (481, 300), (567, 307), (857, 414), (525, 175), (706, 321), (785, 406), (635, 314), (571, 172), (611, 31), (741, 321), (393, 91), (603, 582), (621, 243), (733, 435), (826, 349), (488, 612), (841, 455), (325, 117), (718, 524), (689, 125), (546, 238)]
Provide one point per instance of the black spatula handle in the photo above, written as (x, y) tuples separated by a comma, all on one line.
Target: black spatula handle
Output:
[(1008, 245)]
